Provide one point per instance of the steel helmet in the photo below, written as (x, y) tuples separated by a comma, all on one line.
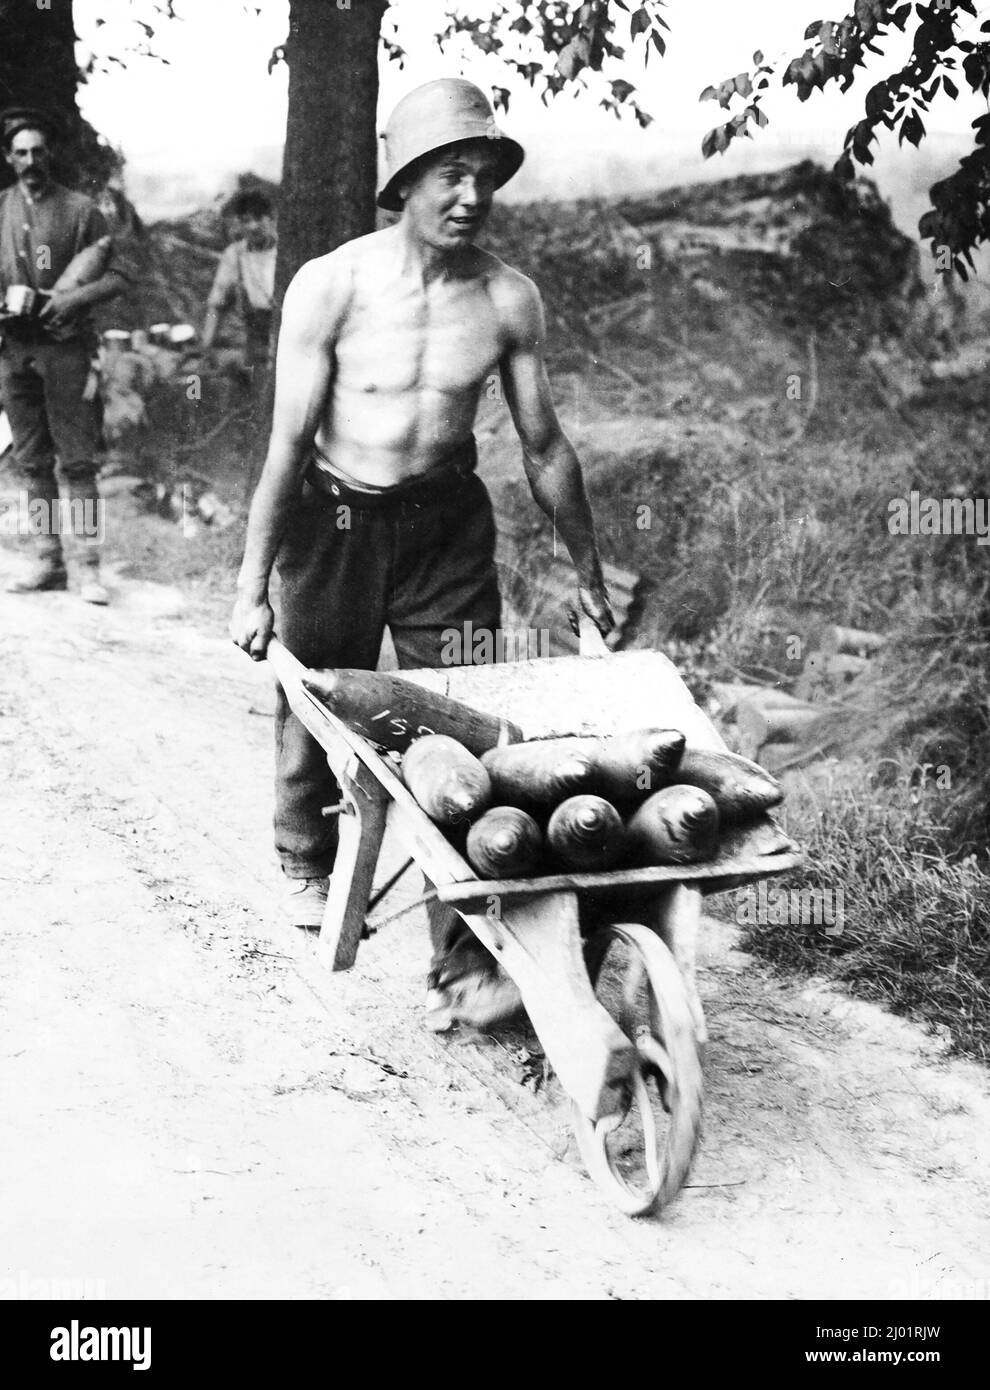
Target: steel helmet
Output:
[(437, 114)]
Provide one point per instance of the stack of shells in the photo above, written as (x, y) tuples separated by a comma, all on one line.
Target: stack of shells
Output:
[(587, 805)]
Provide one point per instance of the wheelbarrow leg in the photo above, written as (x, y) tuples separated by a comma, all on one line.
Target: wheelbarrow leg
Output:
[(538, 941), (677, 919), (362, 825)]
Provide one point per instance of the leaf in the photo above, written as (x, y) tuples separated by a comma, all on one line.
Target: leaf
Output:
[(709, 94), (866, 13), (658, 43), (912, 129), (621, 89), (757, 58), (759, 116), (812, 30), (877, 101), (639, 22), (573, 57), (950, 87), (743, 85)]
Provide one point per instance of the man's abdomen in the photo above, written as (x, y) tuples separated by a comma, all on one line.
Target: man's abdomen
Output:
[(382, 438)]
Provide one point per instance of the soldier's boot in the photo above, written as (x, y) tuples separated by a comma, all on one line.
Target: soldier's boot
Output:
[(85, 541), (91, 588), (47, 569)]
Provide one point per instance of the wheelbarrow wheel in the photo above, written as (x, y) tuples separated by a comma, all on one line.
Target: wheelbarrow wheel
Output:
[(641, 1157)]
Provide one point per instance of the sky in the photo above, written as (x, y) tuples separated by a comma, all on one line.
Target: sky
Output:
[(189, 127)]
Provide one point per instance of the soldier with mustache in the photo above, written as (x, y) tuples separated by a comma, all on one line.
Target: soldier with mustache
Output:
[(45, 359)]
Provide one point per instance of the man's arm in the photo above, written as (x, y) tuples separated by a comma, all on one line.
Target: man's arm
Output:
[(551, 464), (63, 305), (211, 323), (314, 306), (224, 284)]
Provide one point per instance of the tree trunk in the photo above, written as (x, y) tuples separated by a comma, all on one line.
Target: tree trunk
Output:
[(37, 57), (38, 68), (330, 164)]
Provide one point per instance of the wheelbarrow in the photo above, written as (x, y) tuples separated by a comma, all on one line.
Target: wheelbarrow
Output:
[(604, 962)]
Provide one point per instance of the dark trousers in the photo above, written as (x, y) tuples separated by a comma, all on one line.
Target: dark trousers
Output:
[(41, 388), (418, 564)]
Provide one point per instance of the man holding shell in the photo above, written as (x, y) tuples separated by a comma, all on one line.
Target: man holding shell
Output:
[(46, 382)]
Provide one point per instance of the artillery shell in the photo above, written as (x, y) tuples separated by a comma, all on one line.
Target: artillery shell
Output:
[(740, 788), (678, 825), (449, 783), (393, 712), (586, 834), (629, 766), (541, 773), (504, 843)]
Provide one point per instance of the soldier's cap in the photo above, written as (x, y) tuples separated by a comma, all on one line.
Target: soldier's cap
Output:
[(14, 119), (433, 116)]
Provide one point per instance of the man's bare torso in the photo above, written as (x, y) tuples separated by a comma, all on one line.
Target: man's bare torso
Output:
[(410, 359)]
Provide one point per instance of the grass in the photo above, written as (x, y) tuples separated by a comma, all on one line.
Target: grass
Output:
[(916, 933)]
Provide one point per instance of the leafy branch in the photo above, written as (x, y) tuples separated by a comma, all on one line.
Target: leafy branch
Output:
[(959, 218), (552, 44)]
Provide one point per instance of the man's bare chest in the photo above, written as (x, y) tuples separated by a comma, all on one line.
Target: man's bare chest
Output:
[(446, 340)]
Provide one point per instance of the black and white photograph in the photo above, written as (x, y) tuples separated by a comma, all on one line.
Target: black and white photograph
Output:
[(494, 697)]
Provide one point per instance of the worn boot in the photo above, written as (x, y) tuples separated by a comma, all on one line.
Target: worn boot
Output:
[(87, 558), (92, 591), (90, 588), (305, 902), (85, 540), (47, 571)]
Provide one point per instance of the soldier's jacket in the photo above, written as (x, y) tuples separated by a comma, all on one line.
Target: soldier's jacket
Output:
[(39, 237)]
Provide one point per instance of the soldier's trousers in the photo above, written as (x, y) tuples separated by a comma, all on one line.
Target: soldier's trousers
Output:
[(418, 559), (42, 389)]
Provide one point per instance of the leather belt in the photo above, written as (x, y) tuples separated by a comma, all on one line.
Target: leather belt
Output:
[(425, 487)]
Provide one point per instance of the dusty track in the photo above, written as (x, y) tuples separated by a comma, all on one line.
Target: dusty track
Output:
[(192, 1108)]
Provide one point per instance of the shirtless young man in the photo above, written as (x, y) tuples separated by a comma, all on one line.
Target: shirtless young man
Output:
[(368, 498)]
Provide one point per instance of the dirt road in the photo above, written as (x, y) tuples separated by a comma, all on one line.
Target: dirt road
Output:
[(192, 1108)]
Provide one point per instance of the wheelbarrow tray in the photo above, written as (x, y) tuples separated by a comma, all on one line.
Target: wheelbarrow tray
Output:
[(557, 696)]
